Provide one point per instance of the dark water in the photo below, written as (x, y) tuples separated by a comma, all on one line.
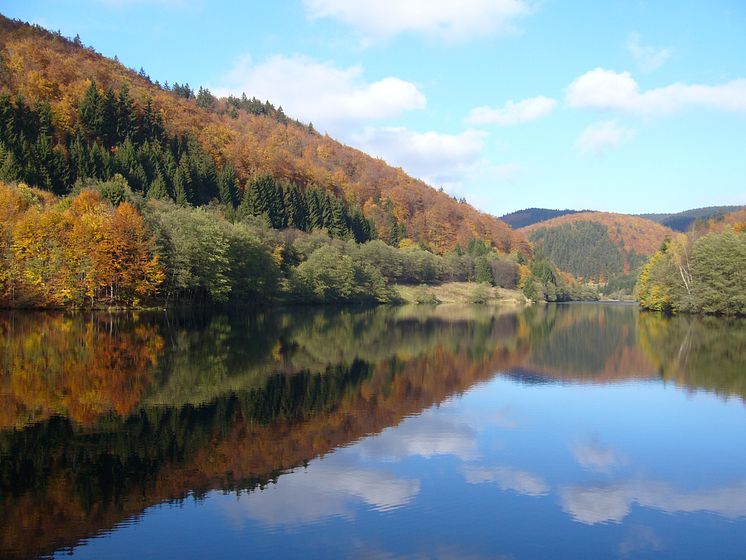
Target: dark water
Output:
[(581, 431)]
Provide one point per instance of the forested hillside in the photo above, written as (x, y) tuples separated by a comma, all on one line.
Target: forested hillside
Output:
[(597, 246), (70, 114), (530, 216), (683, 221)]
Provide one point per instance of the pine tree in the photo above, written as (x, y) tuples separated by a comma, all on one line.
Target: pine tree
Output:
[(182, 183), (101, 162), (295, 204), (204, 177), (91, 111), (125, 158), (109, 120), (276, 202), (10, 170), (80, 158), (43, 160), (338, 226), (158, 189), (126, 115), (227, 191), (152, 125), (315, 219)]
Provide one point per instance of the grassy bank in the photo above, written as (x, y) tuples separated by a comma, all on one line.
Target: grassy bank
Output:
[(460, 292)]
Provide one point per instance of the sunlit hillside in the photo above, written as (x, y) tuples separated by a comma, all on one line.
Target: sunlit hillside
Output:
[(255, 137)]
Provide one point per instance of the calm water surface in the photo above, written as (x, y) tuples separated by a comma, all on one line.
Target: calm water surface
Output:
[(579, 431)]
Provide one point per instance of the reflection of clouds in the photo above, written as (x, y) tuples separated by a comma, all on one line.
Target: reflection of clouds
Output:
[(324, 491), (504, 418), (602, 503), (594, 456), (640, 539), (426, 435), (508, 479)]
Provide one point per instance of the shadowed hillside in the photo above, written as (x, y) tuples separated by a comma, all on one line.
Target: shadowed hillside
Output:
[(597, 245), (530, 216)]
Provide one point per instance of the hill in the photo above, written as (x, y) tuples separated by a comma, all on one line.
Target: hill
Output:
[(50, 77), (682, 221), (735, 219), (597, 245), (529, 216)]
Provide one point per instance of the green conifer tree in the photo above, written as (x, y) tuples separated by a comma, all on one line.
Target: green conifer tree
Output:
[(227, 191), (90, 111), (158, 189)]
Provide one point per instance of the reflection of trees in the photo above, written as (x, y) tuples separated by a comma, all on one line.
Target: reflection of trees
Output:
[(697, 352), (592, 343), (258, 415), (57, 364)]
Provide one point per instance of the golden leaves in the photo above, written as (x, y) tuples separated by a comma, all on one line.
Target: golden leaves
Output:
[(77, 252)]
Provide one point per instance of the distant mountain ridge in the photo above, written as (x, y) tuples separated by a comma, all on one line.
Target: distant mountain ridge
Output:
[(677, 221), (530, 216), (682, 221)]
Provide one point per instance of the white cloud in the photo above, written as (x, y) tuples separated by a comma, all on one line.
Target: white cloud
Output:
[(438, 18), (439, 159), (648, 58), (426, 435), (606, 89), (323, 491), (612, 502), (599, 137), (594, 456), (332, 98), (513, 112), (522, 482)]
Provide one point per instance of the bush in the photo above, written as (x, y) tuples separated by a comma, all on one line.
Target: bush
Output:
[(482, 293), (331, 276), (424, 295)]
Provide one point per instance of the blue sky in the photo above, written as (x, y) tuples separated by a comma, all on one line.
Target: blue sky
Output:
[(620, 105)]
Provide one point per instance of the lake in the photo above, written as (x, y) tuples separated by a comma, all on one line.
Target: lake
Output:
[(566, 431)]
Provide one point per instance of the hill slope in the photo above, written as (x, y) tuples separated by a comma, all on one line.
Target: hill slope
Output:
[(530, 216), (597, 245), (45, 67), (682, 221)]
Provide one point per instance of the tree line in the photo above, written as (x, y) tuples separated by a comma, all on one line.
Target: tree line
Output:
[(698, 273), (106, 244)]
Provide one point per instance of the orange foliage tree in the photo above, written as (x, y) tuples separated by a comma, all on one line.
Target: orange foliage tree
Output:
[(78, 251)]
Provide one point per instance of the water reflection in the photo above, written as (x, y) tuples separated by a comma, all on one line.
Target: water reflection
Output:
[(329, 489), (312, 416), (601, 503)]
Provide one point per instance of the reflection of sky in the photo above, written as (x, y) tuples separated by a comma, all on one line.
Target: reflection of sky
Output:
[(327, 489), (586, 460), (511, 469), (598, 503), (434, 432)]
